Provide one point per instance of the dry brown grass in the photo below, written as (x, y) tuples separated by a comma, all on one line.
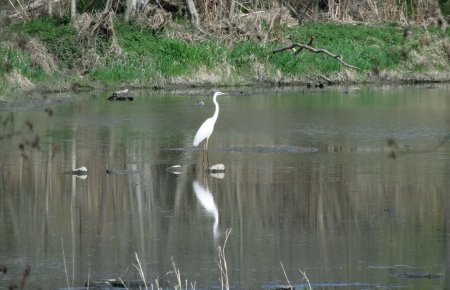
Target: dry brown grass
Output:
[(216, 12), (40, 57), (91, 27), (433, 53), (419, 11), (264, 20), (261, 25), (16, 79), (153, 18)]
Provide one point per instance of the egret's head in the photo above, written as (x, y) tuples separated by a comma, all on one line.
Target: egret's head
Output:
[(218, 94)]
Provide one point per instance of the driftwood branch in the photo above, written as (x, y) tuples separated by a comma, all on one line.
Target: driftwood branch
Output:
[(24, 11), (297, 47)]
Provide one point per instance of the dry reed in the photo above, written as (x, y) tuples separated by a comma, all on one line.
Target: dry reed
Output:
[(65, 265), (223, 263), (286, 277), (140, 270)]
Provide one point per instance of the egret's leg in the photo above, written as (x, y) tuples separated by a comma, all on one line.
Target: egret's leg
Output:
[(205, 151), (203, 160), (207, 160)]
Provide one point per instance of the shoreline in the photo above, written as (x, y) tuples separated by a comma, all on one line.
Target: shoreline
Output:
[(45, 97), (385, 78)]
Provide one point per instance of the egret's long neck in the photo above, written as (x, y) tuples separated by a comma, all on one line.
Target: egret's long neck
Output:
[(216, 112)]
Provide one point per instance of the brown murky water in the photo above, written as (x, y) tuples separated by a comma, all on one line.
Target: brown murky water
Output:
[(308, 183)]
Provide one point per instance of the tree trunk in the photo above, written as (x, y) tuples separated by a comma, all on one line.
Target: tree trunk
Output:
[(73, 9), (50, 8), (315, 8), (231, 10), (131, 8), (195, 21)]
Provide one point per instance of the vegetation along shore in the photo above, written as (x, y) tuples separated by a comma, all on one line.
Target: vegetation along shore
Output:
[(60, 45)]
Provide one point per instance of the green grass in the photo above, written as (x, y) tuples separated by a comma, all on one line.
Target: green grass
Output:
[(13, 59), (16, 59), (169, 56), (243, 55), (148, 55), (59, 37)]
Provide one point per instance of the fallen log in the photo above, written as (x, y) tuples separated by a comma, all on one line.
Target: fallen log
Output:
[(26, 11), (294, 46)]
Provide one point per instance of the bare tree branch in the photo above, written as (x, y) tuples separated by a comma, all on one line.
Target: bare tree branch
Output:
[(301, 46)]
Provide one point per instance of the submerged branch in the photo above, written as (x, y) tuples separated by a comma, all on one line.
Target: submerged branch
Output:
[(300, 46)]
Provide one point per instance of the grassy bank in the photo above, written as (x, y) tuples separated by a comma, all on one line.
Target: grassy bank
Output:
[(57, 54)]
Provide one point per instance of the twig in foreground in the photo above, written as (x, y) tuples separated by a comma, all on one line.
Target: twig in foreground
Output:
[(123, 283), (223, 263), (287, 279), (140, 270), (306, 277), (89, 277), (65, 265), (177, 274)]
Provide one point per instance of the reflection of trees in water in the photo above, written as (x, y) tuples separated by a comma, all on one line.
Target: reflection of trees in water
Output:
[(395, 149), (325, 203), (325, 199), (329, 204)]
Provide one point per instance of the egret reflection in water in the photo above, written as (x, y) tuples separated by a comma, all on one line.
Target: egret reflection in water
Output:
[(207, 201)]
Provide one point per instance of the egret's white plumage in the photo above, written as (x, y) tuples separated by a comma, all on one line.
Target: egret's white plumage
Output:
[(207, 128)]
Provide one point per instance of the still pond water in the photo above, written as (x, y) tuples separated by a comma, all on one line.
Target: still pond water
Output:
[(308, 183)]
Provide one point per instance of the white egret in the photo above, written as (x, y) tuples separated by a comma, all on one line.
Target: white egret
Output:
[(207, 128)]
